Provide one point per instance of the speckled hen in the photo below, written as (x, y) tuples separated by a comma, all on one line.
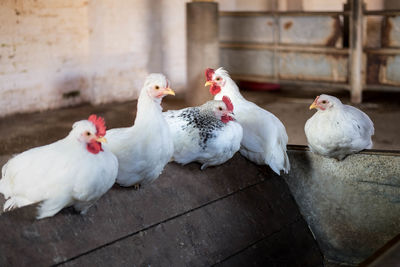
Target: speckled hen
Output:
[(207, 134)]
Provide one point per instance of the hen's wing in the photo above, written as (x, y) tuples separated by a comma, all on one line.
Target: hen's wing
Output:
[(185, 136), (361, 127), (41, 173), (264, 137)]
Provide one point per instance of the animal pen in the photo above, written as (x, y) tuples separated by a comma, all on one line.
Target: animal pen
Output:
[(324, 49), (323, 213)]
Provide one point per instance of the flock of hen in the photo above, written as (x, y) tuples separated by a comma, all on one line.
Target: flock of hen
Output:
[(79, 169)]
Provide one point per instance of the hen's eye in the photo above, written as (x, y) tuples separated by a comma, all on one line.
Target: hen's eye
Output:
[(156, 87), (323, 101), (220, 108), (218, 78), (88, 133)]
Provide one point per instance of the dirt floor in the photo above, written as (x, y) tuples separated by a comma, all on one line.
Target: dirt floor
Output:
[(23, 131)]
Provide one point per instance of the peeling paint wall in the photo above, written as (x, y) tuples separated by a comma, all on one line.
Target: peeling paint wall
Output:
[(247, 47), (61, 53)]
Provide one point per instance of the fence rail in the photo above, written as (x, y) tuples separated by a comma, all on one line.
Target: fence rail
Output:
[(311, 49)]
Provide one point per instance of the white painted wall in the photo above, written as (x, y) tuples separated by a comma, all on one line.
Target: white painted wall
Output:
[(103, 49)]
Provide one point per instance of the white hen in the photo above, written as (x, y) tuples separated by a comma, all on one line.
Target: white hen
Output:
[(337, 130), (145, 148), (264, 136), (74, 171), (207, 134)]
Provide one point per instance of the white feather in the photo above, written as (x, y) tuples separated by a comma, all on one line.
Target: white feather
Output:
[(60, 174), (144, 149), (339, 130), (264, 136)]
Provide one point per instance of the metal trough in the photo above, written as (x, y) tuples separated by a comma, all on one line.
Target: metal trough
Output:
[(351, 206)]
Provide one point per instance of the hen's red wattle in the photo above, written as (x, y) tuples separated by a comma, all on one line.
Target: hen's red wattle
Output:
[(94, 147)]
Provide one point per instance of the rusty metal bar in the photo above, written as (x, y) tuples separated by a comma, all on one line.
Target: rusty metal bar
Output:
[(382, 51), (382, 13), (381, 87), (289, 48), (257, 78), (283, 13), (307, 13), (356, 50)]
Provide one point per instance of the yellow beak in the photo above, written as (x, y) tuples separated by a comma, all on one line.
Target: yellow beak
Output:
[(101, 140), (313, 105), (208, 83), (168, 91)]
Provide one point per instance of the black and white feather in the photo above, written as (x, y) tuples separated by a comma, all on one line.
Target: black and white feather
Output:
[(207, 134)]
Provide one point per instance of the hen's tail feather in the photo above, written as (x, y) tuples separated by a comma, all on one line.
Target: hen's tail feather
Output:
[(51, 206), (277, 157), (9, 204), (15, 202), (286, 165)]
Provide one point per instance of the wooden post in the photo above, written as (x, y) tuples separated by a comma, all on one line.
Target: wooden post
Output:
[(356, 50), (202, 48)]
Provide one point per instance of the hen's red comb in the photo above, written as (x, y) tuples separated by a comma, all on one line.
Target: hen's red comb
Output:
[(228, 103), (209, 74), (99, 123)]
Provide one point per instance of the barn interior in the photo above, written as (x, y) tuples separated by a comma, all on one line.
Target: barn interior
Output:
[(61, 61)]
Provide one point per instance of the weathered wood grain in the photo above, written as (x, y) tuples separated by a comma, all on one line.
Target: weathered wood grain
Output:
[(208, 234)]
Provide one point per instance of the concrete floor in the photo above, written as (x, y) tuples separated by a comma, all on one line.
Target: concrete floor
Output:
[(23, 131)]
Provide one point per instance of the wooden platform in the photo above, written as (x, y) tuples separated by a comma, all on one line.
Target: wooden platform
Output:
[(237, 214)]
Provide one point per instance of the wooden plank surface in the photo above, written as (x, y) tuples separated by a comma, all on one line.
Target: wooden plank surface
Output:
[(293, 245), (206, 235), (212, 213)]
